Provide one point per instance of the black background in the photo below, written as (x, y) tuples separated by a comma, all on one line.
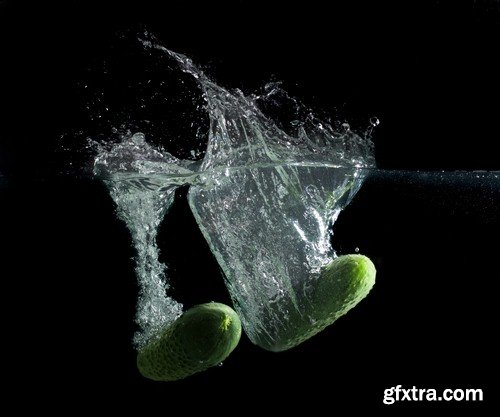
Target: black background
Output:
[(428, 70)]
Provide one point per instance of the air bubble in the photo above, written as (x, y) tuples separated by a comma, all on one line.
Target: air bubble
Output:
[(138, 139), (346, 127)]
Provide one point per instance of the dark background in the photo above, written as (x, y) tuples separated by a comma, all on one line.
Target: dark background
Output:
[(429, 70)]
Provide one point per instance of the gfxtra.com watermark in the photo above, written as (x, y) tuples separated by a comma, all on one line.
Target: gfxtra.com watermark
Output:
[(398, 394)]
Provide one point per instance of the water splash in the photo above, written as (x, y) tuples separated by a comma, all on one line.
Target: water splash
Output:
[(142, 203), (265, 197)]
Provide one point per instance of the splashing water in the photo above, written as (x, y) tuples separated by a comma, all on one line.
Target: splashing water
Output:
[(142, 202), (265, 200)]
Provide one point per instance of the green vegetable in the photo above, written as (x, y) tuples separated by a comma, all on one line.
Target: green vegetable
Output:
[(342, 284), (202, 337)]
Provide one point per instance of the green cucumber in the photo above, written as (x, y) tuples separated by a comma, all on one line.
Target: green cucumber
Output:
[(342, 284), (202, 337)]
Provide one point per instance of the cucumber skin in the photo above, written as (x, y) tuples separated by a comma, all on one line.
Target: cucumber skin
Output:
[(202, 337), (342, 284)]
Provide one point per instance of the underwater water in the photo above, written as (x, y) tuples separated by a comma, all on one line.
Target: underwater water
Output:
[(431, 234)]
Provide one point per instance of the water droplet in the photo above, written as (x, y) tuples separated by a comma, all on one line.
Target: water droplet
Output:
[(346, 127), (374, 121), (220, 364), (356, 249)]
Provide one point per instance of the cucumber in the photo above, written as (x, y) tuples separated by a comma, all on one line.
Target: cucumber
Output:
[(342, 284), (202, 337)]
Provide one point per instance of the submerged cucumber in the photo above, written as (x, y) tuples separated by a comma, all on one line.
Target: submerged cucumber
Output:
[(202, 337), (342, 284)]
